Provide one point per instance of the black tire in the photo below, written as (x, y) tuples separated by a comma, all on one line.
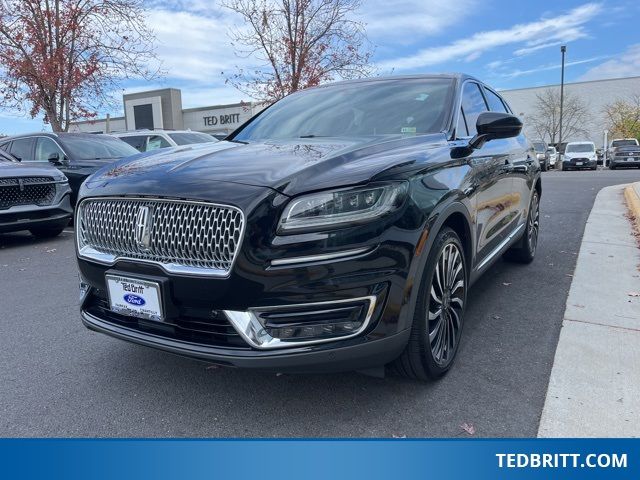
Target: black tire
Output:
[(525, 250), (612, 167), (46, 232), (543, 168), (439, 313)]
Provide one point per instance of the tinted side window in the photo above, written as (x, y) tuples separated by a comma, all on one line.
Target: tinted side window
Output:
[(472, 105), (157, 142), (495, 102), (22, 148), (461, 128), (45, 147), (137, 142)]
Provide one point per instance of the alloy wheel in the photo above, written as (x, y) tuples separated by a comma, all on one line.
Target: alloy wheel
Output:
[(534, 224), (446, 304)]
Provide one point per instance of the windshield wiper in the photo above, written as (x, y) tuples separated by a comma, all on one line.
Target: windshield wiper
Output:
[(313, 136)]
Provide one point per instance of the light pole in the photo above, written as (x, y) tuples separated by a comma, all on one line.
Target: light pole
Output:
[(563, 50)]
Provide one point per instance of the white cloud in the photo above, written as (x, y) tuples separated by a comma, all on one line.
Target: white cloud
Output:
[(567, 26), (527, 50), (407, 21), (547, 67), (624, 65)]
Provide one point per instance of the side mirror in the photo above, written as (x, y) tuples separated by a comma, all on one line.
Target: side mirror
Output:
[(54, 158), (495, 125)]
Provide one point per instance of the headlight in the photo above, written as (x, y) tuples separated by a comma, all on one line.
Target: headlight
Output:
[(339, 208), (60, 177)]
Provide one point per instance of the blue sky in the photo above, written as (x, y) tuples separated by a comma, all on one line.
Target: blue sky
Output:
[(508, 44)]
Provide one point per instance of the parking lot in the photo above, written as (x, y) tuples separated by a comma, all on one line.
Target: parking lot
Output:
[(60, 379)]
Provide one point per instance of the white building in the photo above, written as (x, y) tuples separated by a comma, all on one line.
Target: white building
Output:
[(596, 95), (163, 109)]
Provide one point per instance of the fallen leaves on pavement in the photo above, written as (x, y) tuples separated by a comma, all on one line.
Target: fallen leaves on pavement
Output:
[(469, 428)]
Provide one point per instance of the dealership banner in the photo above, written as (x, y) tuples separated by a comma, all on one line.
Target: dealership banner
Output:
[(318, 459)]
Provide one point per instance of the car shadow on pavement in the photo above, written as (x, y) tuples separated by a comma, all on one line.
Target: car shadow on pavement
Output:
[(20, 239)]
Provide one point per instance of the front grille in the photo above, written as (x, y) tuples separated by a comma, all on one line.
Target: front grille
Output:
[(38, 191), (627, 154), (181, 236)]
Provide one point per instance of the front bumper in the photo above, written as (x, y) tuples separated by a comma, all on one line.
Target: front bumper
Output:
[(579, 163), (348, 355), (30, 216), (631, 161), (197, 311)]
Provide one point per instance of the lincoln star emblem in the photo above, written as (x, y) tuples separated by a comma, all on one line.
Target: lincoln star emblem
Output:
[(143, 227)]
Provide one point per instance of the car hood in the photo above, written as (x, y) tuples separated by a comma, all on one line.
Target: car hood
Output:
[(289, 167), (13, 170)]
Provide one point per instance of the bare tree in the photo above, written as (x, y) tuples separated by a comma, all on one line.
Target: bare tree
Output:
[(623, 118), (299, 44), (546, 119), (64, 57)]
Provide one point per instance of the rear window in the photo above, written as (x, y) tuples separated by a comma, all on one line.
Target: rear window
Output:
[(96, 147), (624, 143), (580, 147), (540, 147)]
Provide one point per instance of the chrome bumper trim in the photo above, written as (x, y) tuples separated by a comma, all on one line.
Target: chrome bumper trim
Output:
[(343, 255), (248, 325)]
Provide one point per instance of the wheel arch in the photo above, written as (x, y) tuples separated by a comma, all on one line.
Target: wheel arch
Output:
[(454, 215)]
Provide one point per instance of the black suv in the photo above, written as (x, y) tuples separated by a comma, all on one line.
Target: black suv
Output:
[(77, 155), (33, 198), (341, 228)]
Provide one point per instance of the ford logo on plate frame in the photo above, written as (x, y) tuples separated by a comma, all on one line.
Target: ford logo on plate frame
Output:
[(132, 299)]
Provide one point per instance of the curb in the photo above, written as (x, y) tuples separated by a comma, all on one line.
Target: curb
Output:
[(632, 195), (594, 387)]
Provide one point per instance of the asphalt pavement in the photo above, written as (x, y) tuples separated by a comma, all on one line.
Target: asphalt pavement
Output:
[(59, 379)]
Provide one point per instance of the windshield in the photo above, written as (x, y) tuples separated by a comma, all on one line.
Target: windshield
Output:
[(96, 147), (580, 147), (188, 138), (624, 143), (389, 107), (540, 147)]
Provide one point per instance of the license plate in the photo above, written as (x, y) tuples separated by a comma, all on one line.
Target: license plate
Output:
[(630, 159), (579, 163), (135, 298)]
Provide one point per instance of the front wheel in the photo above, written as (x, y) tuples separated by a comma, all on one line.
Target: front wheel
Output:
[(439, 313)]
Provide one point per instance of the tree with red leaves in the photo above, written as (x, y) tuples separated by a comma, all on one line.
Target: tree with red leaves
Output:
[(64, 58), (299, 43)]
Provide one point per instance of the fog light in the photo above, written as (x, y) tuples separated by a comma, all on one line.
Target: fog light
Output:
[(310, 332)]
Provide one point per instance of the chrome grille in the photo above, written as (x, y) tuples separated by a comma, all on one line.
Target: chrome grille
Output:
[(181, 236), (38, 191)]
